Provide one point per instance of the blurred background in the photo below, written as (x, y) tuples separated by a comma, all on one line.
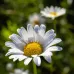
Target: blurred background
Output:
[(16, 13)]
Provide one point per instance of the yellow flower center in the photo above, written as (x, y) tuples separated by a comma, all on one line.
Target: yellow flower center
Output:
[(32, 49), (53, 13), (36, 22)]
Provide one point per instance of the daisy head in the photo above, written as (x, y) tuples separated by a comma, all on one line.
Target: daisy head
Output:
[(20, 71), (53, 12), (36, 19), (32, 43), (9, 66)]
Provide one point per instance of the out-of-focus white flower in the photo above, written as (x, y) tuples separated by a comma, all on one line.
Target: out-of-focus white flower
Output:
[(25, 72), (32, 44), (63, 21), (53, 12), (20, 71), (66, 70), (11, 73), (36, 19), (69, 2), (9, 66)]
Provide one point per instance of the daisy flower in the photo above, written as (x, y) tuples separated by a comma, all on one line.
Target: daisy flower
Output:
[(20, 71), (53, 12), (69, 2), (36, 19), (9, 66), (32, 43)]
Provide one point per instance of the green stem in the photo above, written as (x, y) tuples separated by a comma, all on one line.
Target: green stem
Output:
[(34, 68), (54, 23), (54, 27)]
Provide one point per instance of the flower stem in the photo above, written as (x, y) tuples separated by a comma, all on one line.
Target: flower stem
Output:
[(34, 68), (54, 27), (54, 23)]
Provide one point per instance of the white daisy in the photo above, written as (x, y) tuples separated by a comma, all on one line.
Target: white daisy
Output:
[(53, 12), (9, 66), (36, 19), (32, 43), (20, 71), (69, 2)]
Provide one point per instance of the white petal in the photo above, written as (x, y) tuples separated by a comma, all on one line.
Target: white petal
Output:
[(9, 53), (47, 9), (27, 61), (13, 45), (46, 53), (47, 58), (61, 12), (57, 9), (51, 9), (44, 14), (14, 51), (10, 44), (23, 33), (14, 57), (36, 28), (49, 40), (55, 41), (36, 38), (40, 39), (50, 32), (30, 32), (37, 61), (22, 57), (17, 57), (54, 48), (17, 40), (42, 29)]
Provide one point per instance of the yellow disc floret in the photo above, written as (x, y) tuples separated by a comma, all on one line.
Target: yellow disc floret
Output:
[(32, 48), (36, 22), (53, 13)]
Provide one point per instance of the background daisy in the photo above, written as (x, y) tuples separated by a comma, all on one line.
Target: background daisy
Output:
[(20, 71), (53, 12), (9, 66), (36, 19)]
